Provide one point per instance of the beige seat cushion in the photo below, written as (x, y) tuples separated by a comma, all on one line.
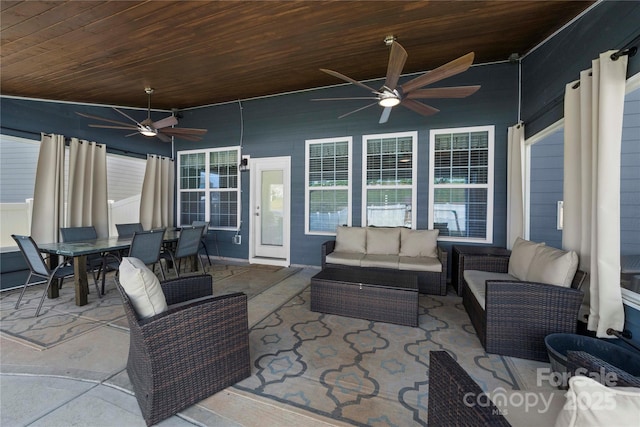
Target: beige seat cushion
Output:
[(522, 254), (383, 241), (344, 258), (142, 287), (351, 239), (553, 266), (477, 281), (418, 243), (380, 261), (420, 263)]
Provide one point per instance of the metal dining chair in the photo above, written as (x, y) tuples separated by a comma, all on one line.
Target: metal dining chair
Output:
[(96, 263), (127, 230), (39, 268), (188, 246), (147, 246), (203, 237)]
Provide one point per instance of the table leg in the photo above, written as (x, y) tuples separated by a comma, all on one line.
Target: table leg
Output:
[(80, 279), (54, 289)]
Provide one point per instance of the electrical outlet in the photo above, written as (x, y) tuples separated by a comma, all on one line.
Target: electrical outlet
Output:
[(237, 239)]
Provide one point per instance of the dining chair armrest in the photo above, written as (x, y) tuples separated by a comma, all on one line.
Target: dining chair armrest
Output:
[(187, 288)]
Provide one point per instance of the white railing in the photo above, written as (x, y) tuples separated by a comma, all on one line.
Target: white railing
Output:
[(15, 218)]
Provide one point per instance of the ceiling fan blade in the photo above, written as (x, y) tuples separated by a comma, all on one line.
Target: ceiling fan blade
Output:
[(443, 92), (163, 138), (449, 69), (166, 122), (181, 136), (385, 115), (419, 107), (124, 126), (359, 109), (397, 58), (127, 116), (349, 79), (345, 99), (89, 116), (183, 131)]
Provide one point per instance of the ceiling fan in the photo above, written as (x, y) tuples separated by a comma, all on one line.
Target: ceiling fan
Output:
[(160, 129), (407, 94)]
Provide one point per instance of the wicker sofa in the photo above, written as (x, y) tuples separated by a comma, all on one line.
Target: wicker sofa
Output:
[(197, 347), (391, 249), (512, 304)]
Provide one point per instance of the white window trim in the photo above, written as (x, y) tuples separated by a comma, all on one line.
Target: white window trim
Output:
[(490, 129), (207, 206), (414, 173), (308, 142)]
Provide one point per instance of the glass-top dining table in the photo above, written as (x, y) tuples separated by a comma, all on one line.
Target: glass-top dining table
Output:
[(79, 251)]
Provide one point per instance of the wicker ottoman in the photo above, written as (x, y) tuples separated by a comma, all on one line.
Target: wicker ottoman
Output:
[(366, 294)]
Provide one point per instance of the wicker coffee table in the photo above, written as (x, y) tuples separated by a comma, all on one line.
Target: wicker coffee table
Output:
[(383, 296)]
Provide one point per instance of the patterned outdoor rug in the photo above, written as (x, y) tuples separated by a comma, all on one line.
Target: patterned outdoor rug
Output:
[(61, 320), (364, 372)]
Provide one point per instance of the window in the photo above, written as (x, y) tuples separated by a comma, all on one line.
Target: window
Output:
[(461, 183), (545, 186), (389, 179), (209, 187), (328, 184)]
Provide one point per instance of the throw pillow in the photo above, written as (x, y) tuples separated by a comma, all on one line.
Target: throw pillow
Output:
[(553, 266), (422, 243), (142, 287), (383, 241), (522, 253), (351, 239), (590, 403)]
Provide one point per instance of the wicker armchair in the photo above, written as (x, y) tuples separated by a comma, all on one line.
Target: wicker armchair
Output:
[(582, 363), (190, 352), (451, 390), (517, 314)]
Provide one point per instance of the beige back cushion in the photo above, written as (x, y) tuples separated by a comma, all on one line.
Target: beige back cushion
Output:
[(553, 266), (383, 241), (423, 243), (142, 287), (522, 254), (351, 239)]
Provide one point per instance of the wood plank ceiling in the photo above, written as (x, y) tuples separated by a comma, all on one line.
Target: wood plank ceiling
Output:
[(198, 53)]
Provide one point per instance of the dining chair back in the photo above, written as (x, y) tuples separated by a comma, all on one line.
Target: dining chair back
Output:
[(96, 263), (76, 234), (38, 268), (203, 238), (188, 246), (146, 246), (127, 230)]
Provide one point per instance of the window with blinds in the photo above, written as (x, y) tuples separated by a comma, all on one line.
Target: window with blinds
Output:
[(461, 183), (209, 187), (328, 184), (389, 179)]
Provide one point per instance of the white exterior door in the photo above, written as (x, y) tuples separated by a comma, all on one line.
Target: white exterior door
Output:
[(270, 210)]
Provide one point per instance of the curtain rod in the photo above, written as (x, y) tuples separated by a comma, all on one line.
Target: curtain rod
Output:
[(68, 140)]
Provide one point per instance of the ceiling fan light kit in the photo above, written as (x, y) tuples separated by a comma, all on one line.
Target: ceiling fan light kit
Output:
[(391, 95), (161, 129)]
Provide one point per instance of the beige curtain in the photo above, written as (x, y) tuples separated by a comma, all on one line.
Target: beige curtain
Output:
[(156, 200), (515, 184), (593, 131), (88, 186), (48, 195)]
